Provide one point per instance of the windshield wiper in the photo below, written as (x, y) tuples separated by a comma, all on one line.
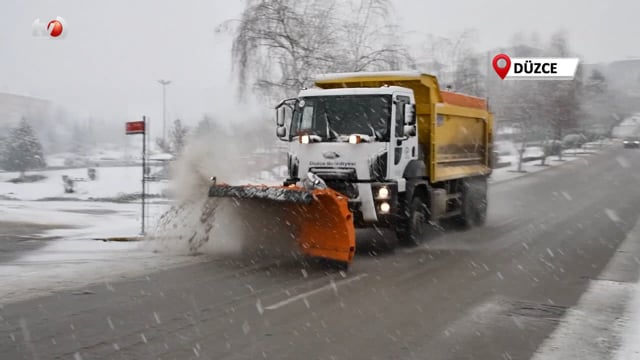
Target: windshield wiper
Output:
[(330, 129), (376, 135)]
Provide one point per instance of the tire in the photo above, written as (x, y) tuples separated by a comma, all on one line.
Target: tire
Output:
[(474, 203), (480, 217), (467, 209), (413, 228)]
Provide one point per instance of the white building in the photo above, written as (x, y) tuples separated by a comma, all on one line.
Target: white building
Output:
[(13, 107)]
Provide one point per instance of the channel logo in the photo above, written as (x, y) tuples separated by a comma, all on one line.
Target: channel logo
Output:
[(52, 29), (535, 68)]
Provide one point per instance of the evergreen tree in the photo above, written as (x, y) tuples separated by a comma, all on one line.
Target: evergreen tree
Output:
[(22, 150)]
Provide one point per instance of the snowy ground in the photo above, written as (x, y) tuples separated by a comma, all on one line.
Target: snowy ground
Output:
[(510, 172), (111, 182), (84, 220), (77, 259), (605, 324)]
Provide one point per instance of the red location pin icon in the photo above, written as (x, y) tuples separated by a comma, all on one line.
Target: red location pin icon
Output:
[(503, 70)]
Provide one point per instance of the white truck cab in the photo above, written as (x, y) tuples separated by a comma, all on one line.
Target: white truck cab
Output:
[(358, 140)]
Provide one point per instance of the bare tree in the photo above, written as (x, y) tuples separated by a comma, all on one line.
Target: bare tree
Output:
[(279, 45), (370, 40), (205, 125), (454, 61), (563, 105), (178, 136), (163, 145)]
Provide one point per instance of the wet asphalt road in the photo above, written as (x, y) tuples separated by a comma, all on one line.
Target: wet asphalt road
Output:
[(18, 238), (489, 293)]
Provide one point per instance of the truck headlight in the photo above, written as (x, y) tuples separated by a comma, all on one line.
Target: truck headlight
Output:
[(383, 193), (385, 208), (636, 142)]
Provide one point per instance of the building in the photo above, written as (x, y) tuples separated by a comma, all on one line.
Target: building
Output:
[(13, 107), (625, 74)]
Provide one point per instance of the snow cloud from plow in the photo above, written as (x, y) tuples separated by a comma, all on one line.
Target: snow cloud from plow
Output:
[(220, 226)]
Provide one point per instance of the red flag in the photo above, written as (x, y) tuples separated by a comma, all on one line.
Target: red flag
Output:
[(135, 127)]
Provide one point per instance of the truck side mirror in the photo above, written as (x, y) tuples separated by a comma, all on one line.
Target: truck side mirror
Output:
[(409, 114), (409, 130), (281, 132), (280, 114)]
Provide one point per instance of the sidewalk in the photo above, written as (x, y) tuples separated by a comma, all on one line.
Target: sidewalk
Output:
[(511, 172)]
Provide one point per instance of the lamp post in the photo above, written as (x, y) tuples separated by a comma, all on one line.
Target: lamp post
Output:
[(164, 84)]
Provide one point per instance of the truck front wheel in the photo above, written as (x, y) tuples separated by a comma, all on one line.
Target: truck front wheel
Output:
[(414, 225)]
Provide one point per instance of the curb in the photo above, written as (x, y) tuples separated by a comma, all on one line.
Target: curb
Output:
[(121, 238)]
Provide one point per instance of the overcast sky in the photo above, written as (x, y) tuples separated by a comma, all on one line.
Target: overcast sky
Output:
[(117, 49)]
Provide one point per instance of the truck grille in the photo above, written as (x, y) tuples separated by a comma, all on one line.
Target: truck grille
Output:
[(341, 180)]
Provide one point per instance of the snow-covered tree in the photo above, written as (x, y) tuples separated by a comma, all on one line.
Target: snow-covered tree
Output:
[(178, 136), (562, 97), (279, 45), (205, 125), (22, 149), (79, 141), (455, 62), (163, 145)]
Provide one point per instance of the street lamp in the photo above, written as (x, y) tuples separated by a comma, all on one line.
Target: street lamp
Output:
[(164, 84)]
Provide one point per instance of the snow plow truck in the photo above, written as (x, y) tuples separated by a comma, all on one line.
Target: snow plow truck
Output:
[(388, 150)]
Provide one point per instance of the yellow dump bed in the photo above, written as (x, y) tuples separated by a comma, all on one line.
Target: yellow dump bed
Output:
[(454, 130)]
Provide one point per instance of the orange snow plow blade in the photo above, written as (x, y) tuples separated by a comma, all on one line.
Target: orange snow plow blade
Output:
[(320, 219)]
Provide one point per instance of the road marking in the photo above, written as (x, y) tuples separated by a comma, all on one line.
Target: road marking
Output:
[(332, 285)]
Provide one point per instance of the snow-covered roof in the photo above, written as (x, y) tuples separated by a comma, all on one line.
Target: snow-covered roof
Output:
[(387, 90), (337, 76)]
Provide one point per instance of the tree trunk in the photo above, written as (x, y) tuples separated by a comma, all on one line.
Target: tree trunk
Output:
[(561, 145), (520, 156)]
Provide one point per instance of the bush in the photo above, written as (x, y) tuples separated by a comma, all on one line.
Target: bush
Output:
[(27, 179)]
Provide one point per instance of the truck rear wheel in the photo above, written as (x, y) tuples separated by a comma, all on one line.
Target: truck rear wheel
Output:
[(414, 225), (481, 208), (473, 209), (466, 217)]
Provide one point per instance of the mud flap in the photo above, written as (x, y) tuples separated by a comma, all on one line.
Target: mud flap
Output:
[(320, 219)]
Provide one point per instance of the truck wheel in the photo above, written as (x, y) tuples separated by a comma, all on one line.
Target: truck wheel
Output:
[(467, 210), (481, 209), (415, 225), (474, 203), (479, 192)]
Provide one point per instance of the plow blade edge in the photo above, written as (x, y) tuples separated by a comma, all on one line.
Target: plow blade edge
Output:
[(320, 219)]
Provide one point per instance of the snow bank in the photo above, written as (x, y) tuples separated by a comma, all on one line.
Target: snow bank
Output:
[(80, 219), (605, 323), (111, 182)]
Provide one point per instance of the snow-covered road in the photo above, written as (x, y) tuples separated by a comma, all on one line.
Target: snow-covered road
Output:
[(501, 291), (76, 258)]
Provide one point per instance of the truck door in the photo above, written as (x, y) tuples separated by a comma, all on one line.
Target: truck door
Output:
[(403, 148)]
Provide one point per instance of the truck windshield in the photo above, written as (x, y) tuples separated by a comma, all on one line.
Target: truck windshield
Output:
[(333, 117)]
